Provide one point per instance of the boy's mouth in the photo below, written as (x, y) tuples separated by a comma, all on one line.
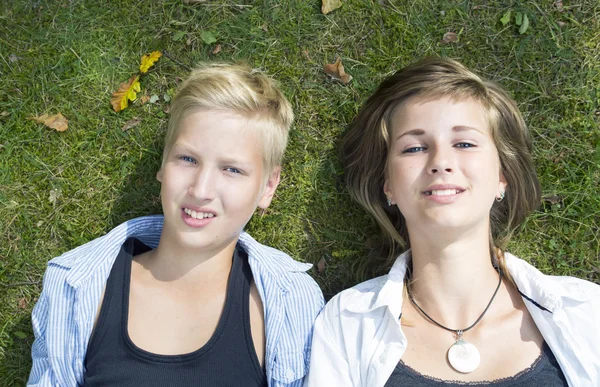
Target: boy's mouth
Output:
[(198, 215)]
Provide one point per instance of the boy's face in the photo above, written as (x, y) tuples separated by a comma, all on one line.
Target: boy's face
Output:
[(213, 179)]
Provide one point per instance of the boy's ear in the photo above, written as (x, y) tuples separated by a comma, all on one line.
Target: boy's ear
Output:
[(159, 175), (270, 187)]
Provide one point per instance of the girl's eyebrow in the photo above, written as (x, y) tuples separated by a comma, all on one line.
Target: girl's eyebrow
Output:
[(412, 132), (420, 132), (464, 128)]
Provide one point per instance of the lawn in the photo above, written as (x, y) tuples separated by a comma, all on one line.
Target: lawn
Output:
[(61, 189)]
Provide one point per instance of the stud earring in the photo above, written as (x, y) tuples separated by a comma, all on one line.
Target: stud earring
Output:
[(389, 202), (502, 194)]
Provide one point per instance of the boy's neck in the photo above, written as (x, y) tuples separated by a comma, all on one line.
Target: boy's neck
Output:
[(172, 262)]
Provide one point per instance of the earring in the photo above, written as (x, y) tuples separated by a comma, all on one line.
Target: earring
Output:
[(502, 194), (389, 202)]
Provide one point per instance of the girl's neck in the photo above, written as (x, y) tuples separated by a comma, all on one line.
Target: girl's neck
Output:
[(454, 281)]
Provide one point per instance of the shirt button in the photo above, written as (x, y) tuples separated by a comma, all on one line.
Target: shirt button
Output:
[(289, 373)]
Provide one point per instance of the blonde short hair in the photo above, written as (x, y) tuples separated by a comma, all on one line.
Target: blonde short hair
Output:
[(239, 89), (366, 146)]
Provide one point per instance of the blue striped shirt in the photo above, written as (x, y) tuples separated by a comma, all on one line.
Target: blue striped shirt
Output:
[(64, 315)]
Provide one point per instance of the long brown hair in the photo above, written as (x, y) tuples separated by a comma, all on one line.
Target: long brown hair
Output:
[(366, 144)]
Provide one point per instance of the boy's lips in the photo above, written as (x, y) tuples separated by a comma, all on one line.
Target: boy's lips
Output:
[(197, 216)]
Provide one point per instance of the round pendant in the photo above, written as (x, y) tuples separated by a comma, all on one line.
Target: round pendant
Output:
[(464, 356)]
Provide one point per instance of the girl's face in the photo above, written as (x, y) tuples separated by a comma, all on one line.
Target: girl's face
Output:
[(443, 169)]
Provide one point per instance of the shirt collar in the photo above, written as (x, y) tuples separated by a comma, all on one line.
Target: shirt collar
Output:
[(385, 291), (87, 259), (549, 292)]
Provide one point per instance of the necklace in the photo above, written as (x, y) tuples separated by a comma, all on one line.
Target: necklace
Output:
[(463, 356)]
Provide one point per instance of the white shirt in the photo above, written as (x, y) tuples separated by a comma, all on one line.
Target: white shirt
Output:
[(358, 339)]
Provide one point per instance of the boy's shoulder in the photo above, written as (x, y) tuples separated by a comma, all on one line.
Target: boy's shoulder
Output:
[(84, 259), (272, 266)]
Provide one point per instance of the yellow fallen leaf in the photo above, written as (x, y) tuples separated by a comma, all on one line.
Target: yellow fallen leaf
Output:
[(126, 92), (330, 5), (336, 71), (57, 121), (148, 61)]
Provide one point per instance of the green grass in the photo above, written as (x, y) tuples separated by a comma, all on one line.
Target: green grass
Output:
[(69, 56)]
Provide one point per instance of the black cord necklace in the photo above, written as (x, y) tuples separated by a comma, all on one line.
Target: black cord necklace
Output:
[(462, 355)]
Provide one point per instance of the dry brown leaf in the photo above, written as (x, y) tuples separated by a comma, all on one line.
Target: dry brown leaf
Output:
[(306, 55), (131, 123), (561, 23), (336, 71), (127, 92), (57, 121), (264, 27), (144, 99), (450, 37), (322, 265), (217, 49), (330, 5), (559, 5), (22, 303), (552, 199)]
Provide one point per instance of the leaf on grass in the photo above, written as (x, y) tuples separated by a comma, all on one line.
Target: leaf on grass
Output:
[(57, 121), (127, 92), (154, 98), (336, 71), (178, 35), (519, 18), (559, 5), (20, 335), (450, 37), (131, 123), (217, 49), (524, 25), (54, 195), (148, 61), (552, 199), (144, 99), (505, 18), (208, 37), (322, 265), (22, 303), (13, 58), (330, 5)]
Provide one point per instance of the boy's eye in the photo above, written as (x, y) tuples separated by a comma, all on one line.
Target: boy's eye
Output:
[(464, 145), (233, 170), (414, 149), (187, 159)]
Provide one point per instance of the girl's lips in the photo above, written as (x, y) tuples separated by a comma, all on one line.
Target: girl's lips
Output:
[(443, 196), (195, 223)]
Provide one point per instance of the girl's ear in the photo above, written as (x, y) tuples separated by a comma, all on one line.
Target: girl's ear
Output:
[(159, 175), (270, 187)]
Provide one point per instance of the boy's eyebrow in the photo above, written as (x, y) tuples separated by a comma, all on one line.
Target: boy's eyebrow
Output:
[(464, 128), (226, 159)]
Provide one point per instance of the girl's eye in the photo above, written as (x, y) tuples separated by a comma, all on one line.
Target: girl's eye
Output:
[(414, 149), (233, 170), (464, 145), (187, 159)]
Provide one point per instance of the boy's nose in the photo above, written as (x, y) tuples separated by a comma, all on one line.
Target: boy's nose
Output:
[(203, 185)]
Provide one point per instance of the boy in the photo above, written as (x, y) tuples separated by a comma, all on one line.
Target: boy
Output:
[(188, 298)]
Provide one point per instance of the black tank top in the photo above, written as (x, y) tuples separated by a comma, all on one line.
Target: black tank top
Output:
[(227, 359), (545, 372)]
